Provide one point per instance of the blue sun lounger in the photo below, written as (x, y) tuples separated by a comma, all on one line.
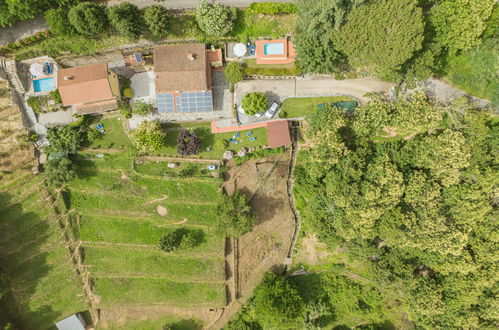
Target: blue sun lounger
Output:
[(233, 141), (249, 133), (238, 135), (252, 138)]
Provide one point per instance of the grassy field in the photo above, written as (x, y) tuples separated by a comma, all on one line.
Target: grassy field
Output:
[(120, 227), (114, 136), (251, 68), (304, 106), (212, 145), (249, 25), (35, 258)]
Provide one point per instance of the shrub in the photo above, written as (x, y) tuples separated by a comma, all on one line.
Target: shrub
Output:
[(182, 238), (64, 139), (149, 136), (254, 102), (126, 19), (54, 95), (156, 19), (188, 143), (283, 114), (234, 72), (124, 108), (128, 93), (35, 104), (57, 20), (142, 108), (272, 8), (88, 18), (215, 20)]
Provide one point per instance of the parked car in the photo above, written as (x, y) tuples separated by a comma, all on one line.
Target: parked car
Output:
[(272, 110), (252, 50)]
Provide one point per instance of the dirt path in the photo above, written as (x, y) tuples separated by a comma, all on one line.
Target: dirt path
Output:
[(266, 247), (180, 159)]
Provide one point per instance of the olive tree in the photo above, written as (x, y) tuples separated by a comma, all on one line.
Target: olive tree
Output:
[(156, 19), (88, 18), (215, 20), (126, 19)]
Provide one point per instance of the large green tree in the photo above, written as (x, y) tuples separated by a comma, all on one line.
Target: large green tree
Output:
[(88, 18), (458, 24), (215, 20), (382, 35), (157, 21), (57, 20), (149, 136), (126, 19), (235, 217), (254, 102)]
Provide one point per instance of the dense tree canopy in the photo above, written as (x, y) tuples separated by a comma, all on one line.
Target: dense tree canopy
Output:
[(88, 18), (18, 10), (254, 102), (156, 19), (59, 171), (215, 20), (126, 19), (64, 139), (57, 20), (235, 217), (234, 72), (382, 34), (410, 185), (459, 23), (188, 143)]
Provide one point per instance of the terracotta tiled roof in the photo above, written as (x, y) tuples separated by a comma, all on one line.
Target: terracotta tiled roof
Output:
[(97, 107), (278, 133), (84, 84), (181, 68)]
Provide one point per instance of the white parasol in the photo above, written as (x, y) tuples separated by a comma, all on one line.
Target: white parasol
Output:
[(36, 69), (240, 50)]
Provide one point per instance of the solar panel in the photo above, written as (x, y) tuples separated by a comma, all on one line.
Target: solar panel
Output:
[(165, 102), (194, 102), (138, 57)]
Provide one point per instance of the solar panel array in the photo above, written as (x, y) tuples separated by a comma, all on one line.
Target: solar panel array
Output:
[(165, 102), (185, 102), (194, 102)]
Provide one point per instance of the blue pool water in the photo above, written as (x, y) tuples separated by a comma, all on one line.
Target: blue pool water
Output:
[(273, 49), (43, 85)]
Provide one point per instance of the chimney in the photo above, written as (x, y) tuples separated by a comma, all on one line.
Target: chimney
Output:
[(190, 56)]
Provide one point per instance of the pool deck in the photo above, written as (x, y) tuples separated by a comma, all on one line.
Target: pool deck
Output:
[(286, 58)]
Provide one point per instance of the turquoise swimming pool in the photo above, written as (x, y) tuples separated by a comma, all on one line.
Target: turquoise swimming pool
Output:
[(273, 49), (43, 85)]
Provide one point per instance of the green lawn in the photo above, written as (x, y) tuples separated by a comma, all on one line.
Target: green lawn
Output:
[(161, 168), (251, 26), (35, 258), (251, 68), (304, 106), (114, 136), (155, 324), (212, 145)]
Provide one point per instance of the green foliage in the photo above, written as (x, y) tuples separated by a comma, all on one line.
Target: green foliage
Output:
[(215, 20), (254, 102), (128, 93), (458, 24), (420, 207), (234, 72), (18, 10), (277, 303), (157, 21), (59, 171), (54, 95), (315, 48), (57, 20), (382, 35), (492, 24), (475, 70), (235, 215), (181, 238), (35, 104), (125, 109), (88, 18), (142, 108), (149, 136), (64, 139), (126, 19), (272, 8)]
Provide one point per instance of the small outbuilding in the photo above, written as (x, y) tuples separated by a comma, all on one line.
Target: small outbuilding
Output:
[(74, 322)]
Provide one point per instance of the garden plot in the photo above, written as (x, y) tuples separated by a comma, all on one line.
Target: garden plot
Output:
[(122, 215)]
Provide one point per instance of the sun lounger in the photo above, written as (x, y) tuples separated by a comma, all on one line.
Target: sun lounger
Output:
[(233, 141)]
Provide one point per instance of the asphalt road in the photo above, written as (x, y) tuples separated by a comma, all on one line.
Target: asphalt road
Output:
[(22, 30)]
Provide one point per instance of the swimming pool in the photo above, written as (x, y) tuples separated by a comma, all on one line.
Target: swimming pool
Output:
[(273, 49), (43, 85)]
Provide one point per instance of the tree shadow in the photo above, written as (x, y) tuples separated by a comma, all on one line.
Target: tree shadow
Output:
[(23, 238), (206, 137), (186, 324)]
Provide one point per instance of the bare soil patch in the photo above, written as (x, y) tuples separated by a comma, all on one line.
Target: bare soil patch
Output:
[(161, 210), (312, 251)]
